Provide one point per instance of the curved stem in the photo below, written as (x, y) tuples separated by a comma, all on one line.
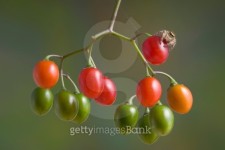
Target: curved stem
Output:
[(50, 56), (61, 74), (172, 80), (75, 86), (61, 63), (100, 34), (130, 101), (92, 61)]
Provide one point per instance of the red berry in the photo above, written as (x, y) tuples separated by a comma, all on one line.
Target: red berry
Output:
[(91, 82), (108, 95), (155, 51), (149, 91), (46, 74)]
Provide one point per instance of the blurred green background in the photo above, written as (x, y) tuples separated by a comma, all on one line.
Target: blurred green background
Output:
[(32, 29)]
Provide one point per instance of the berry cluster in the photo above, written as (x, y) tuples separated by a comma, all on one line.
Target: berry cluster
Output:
[(75, 106)]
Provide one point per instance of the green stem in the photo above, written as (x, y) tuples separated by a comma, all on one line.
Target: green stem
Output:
[(130, 101), (61, 63), (121, 36), (92, 62), (147, 71), (172, 80), (147, 34), (74, 53), (50, 56), (61, 74), (142, 57), (101, 34), (75, 86), (115, 15)]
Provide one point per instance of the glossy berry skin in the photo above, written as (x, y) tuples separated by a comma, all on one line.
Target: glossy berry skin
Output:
[(126, 117), (84, 108), (66, 105), (108, 95), (180, 98), (91, 82), (149, 91), (162, 119), (46, 74), (41, 101), (143, 123), (155, 51)]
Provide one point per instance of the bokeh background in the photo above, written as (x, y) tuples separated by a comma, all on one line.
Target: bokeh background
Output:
[(32, 29)]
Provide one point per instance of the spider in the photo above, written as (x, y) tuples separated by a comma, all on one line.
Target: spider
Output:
[(167, 37)]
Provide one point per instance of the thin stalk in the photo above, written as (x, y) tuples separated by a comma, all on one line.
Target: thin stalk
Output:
[(172, 80), (61, 74), (147, 71), (130, 101), (115, 15), (75, 86), (121, 36), (93, 63), (74, 53), (142, 57), (50, 56), (61, 64), (100, 34)]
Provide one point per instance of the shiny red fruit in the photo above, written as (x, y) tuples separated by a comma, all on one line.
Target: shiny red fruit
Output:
[(108, 95), (46, 74), (155, 51), (91, 82), (149, 91)]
